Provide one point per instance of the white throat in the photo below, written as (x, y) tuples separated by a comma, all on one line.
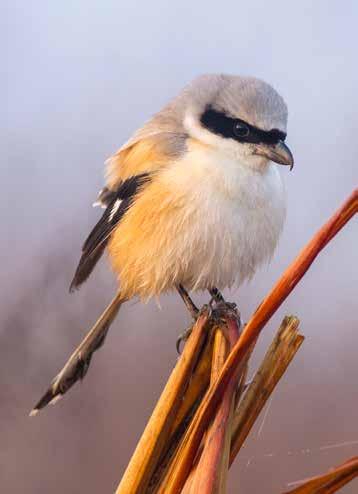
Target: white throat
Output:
[(237, 214)]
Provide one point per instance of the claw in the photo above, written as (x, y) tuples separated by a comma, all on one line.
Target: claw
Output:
[(182, 338)]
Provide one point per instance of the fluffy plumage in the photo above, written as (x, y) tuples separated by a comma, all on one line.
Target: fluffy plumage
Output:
[(206, 220), (192, 199), (213, 211)]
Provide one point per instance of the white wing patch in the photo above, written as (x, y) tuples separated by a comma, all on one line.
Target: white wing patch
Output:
[(114, 209), (99, 203)]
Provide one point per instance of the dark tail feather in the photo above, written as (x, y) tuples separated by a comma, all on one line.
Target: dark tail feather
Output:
[(77, 365), (86, 266)]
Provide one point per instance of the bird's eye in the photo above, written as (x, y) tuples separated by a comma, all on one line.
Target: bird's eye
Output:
[(240, 129)]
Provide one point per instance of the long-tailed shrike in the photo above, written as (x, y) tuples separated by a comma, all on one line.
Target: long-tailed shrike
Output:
[(193, 201)]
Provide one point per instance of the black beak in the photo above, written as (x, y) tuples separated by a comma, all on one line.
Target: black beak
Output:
[(279, 153)]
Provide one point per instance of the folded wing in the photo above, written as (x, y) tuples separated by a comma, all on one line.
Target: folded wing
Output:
[(94, 246)]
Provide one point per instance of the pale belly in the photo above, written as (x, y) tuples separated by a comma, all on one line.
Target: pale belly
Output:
[(194, 232), (228, 240)]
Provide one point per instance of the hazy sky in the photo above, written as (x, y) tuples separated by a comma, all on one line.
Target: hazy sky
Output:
[(77, 78)]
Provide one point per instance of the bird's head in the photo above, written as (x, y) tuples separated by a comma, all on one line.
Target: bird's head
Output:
[(242, 116)]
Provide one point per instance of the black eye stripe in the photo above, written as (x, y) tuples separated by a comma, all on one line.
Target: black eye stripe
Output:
[(220, 123)]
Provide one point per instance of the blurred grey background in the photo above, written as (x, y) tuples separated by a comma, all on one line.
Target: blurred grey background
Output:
[(77, 77)]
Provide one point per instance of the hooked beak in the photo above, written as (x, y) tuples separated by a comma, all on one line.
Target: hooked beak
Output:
[(279, 153)]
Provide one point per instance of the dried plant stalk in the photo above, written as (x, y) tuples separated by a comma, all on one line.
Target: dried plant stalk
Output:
[(293, 274), (279, 355), (212, 464), (329, 482), (211, 472), (199, 381), (241, 386), (155, 435), (207, 468)]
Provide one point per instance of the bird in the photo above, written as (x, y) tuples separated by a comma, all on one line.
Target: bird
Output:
[(193, 201)]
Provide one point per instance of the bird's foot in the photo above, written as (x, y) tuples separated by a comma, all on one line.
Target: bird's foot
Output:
[(189, 304), (219, 305), (216, 296), (182, 338)]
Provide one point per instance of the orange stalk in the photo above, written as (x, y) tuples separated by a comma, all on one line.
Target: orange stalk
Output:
[(278, 357), (197, 385), (199, 382), (156, 434), (211, 472), (180, 469), (329, 482)]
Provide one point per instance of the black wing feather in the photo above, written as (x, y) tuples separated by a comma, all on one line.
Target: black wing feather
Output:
[(97, 240)]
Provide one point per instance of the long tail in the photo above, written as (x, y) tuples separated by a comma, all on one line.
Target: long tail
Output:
[(77, 365)]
